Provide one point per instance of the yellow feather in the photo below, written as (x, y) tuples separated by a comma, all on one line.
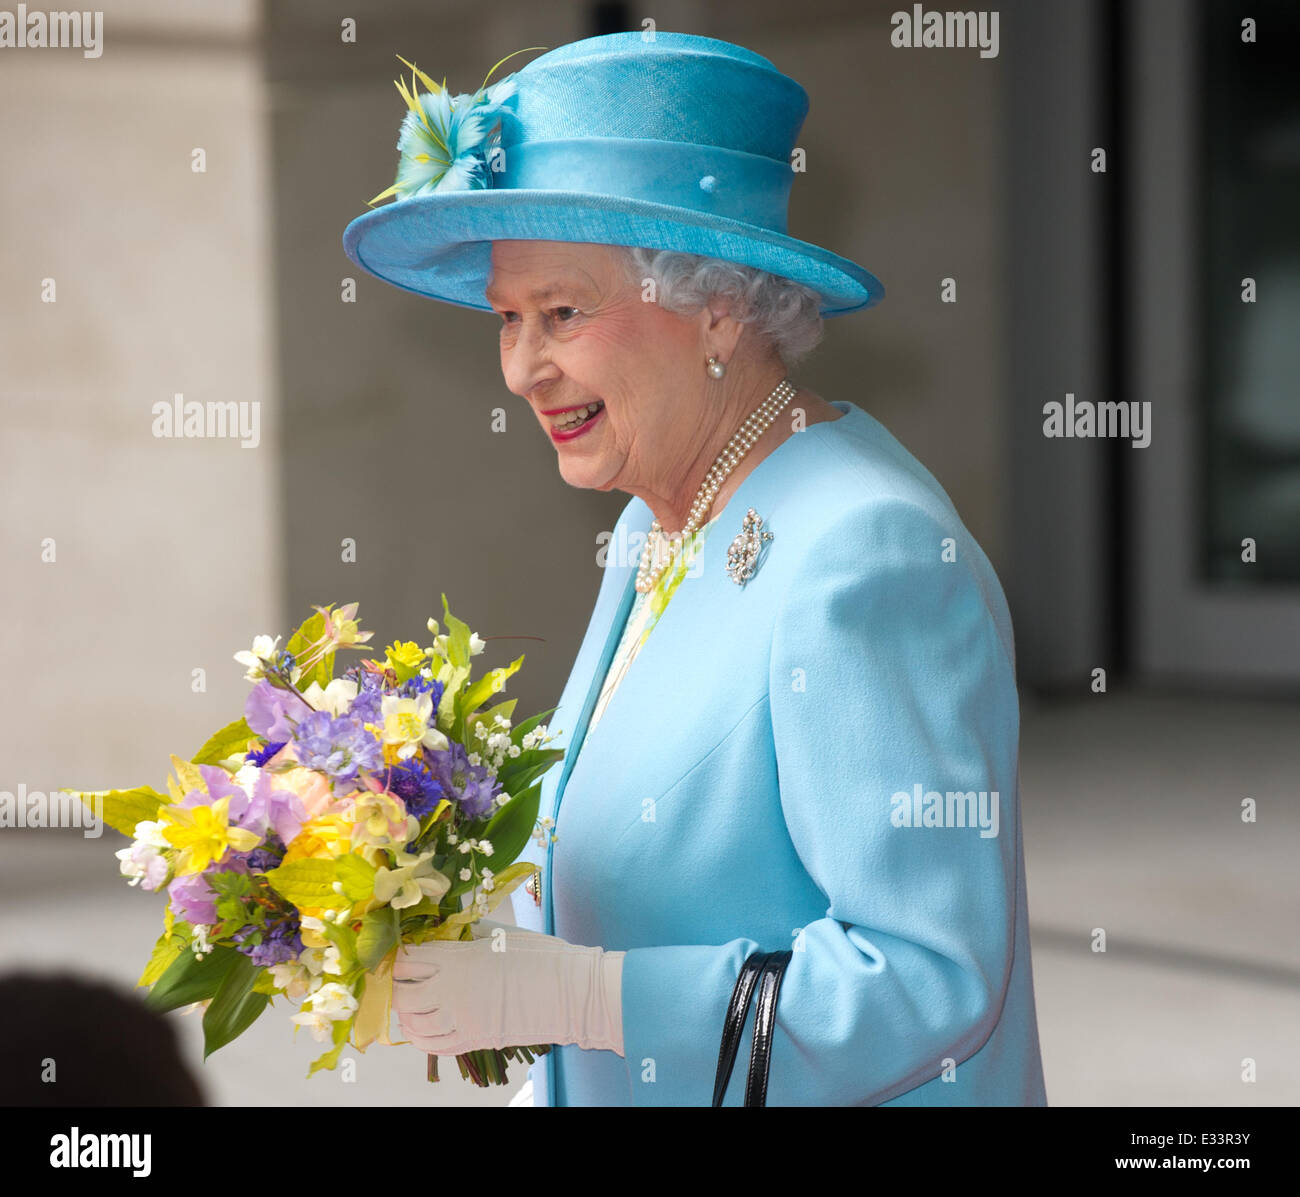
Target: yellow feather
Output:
[(507, 59), (429, 83)]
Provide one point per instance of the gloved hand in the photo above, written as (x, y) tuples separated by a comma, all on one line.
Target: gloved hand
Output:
[(508, 988)]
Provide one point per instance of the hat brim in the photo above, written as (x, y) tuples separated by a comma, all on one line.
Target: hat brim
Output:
[(440, 245)]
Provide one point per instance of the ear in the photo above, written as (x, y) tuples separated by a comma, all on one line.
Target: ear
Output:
[(720, 330)]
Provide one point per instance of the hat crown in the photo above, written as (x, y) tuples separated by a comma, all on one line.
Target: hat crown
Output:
[(669, 87)]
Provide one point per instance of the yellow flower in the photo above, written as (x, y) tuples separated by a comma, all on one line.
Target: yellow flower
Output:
[(405, 658), (382, 821), (326, 837), (203, 834)]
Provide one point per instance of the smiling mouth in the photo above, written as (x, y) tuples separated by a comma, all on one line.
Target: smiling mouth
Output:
[(576, 418)]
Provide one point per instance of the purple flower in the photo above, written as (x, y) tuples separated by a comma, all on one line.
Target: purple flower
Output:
[(336, 747), (414, 687), (271, 712), (260, 756), (472, 786), (417, 787), (281, 942), (270, 809), (193, 900), (370, 693), (267, 856)]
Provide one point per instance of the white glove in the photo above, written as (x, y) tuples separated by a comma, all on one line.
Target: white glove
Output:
[(508, 988)]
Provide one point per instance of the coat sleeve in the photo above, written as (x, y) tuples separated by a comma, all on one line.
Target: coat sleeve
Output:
[(892, 676)]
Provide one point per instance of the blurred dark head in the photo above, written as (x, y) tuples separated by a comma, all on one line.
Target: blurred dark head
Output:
[(75, 1041)]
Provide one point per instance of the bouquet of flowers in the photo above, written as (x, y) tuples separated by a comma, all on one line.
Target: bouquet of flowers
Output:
[(338, 819)]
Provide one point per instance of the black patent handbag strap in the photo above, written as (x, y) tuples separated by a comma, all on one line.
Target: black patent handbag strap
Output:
[(734, 1025), (760, 1056)]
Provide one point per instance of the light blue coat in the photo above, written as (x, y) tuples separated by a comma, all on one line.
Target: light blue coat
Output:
[(760, 780)]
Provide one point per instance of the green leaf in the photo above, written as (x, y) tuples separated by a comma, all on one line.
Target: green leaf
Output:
[(520, 730), (356, 875), (511, 826), (170, 945), (518, 774), (308, 883), (188, 775), (189, 979), (492, 682), (458, 634), (229, 741), (377, 936), (342, 1029), (122, 809), (449, 704), (234, 1007)]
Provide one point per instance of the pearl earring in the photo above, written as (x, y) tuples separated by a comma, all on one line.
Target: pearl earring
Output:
[(716, 368)]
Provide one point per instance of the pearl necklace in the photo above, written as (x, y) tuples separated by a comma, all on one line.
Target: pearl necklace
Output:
[(757, 423)]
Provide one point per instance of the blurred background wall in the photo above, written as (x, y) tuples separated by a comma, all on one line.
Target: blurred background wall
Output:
[(377, 476)]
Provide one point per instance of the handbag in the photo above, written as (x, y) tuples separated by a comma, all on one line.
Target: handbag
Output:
[(762, 971)]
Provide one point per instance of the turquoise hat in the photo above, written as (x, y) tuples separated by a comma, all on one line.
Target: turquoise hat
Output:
[(665, 140)]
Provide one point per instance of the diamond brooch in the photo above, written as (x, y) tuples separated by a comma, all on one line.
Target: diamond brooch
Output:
[(742, 556)]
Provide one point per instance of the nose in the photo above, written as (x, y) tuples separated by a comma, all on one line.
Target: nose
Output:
[(525, 361)]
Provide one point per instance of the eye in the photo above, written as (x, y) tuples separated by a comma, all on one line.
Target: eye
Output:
[(559, 313)]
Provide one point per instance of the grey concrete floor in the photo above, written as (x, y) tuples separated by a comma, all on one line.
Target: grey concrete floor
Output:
[(1132, 814)]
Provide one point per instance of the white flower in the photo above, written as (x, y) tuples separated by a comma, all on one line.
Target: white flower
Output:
[(334, 1001), (407, 724), (200, 942), (476, 645), (489, 882), (466, 874), (143, 864), (295, 979), (263, 648), (151, 834), (335, 698), (513, 750), (321, 960), (246, 777), (414, 879), (485, 846), (474, 758), (329, 1004)]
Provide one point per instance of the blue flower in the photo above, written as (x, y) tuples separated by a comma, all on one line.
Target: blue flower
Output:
[(417, 787), (414, 687), (339, 748), (280, 942), (470, 786), (260, 756)]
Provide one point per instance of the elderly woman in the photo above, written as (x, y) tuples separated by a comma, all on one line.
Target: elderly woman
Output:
[(793, 720)]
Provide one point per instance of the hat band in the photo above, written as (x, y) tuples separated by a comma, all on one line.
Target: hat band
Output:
[(703, 178)]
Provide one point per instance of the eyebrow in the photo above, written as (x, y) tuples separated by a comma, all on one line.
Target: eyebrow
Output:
[(541, 293)]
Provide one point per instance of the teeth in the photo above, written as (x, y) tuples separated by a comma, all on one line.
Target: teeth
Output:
[(572, 419)]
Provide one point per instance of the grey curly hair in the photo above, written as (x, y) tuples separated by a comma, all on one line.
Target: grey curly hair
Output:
[(784, 312)]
